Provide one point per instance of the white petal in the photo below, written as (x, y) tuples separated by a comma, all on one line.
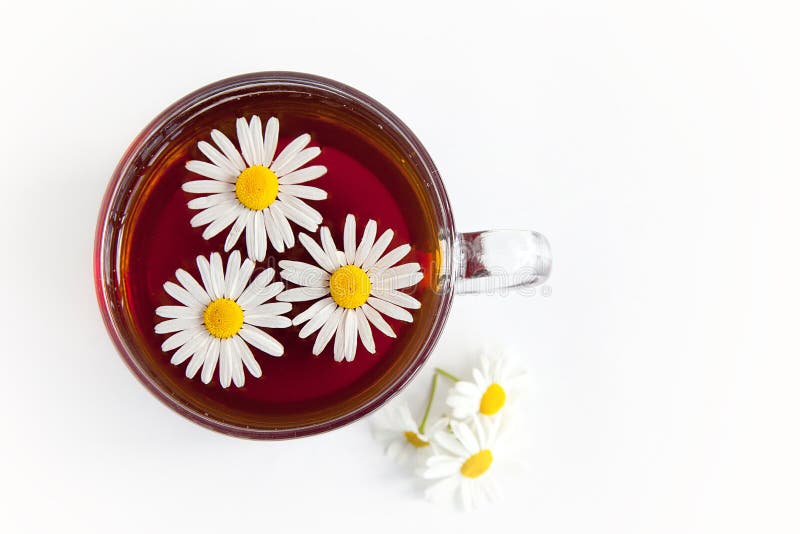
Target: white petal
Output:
[(442, 469), (201, 203), (177, 312), (176, 325), (364, 331), (261, 340), (252, 294), (313, 277), (300, 159), (467, 388), (270, 291), (367, 240), (377, 249), (261, 296), (268, 321), (339, 339), (301, 294), (245, 141), (350, 335), (378, 321), (236, 230), (291, 150), (270, 140), (242, 277), (393, 311), (197, 343), (205, 274), (450, 443), (217, 276), (231, 272), (194, 365), (327, 331), (247, 356), (282, 224), (304, 274), (228, 149), (176, 340), (273, 308), (299, 217), (210, 360), (480, 434), (193, 287), (214, 212), (222, 222), (311, 311), (301, 176), (397, 297), (319, 318), (260, 241), (257, 140), (391, 258), (272, 230), (466, 437), (207, 186), (304, 191), (218, 159), (226, 357), (250, 236), (401, 281), (237, 369), (316, 252), (329, 246), (181, 295), (209, 170), (350, 238), (300, 205)]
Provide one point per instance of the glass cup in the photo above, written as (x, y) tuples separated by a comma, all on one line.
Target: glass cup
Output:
[(477, 262)]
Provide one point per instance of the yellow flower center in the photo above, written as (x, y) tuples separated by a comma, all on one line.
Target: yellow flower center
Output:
[(493, 399), (350, 286), (414, 439), (223, 318), (477, 464), (257, 187)]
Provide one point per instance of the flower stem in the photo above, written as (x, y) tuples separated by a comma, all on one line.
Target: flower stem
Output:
[(428, 406), (447, 375)]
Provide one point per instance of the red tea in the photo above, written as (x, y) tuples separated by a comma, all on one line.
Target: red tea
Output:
[(368, 175)]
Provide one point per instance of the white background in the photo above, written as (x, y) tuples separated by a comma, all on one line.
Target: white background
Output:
[(654, 143)]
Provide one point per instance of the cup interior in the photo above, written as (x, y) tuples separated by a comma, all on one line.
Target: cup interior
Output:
[(143, 236)]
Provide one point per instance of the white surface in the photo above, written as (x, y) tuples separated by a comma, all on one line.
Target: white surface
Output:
[(654, 143)]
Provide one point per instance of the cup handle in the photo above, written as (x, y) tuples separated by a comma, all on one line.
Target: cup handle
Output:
[(498, 260)]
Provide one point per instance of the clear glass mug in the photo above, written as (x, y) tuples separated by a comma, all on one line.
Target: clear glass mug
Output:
[(476, 262)]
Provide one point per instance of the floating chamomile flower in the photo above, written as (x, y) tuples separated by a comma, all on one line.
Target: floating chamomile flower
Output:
[(495, 386), (464, 462), (254, 191), (217, 320), (403, 439), (355, 287)]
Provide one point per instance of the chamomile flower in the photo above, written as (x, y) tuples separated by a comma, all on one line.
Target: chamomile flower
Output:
[(253, 190), (495, 386), (218, 319), (352, 288), (464, 463), (400, 434)]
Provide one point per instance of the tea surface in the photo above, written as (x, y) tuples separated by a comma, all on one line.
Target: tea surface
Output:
[(366, 176)]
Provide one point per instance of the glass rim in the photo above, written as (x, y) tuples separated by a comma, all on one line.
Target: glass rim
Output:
[(103, 254)]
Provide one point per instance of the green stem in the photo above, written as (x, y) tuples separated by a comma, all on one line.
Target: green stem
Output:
[(428, 406), (447, 375)]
